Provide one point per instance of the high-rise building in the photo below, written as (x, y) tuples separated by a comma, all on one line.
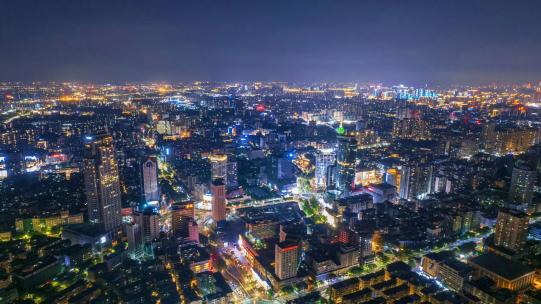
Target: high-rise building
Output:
[(533, 156), (149, 222), (511, 229), (409, 124), (135, 238), (411, 128), (522, 184), (219, 211), (501, 140), (324, 159), (193, 231), (345, 160), (232, 172), (286, 259), (392, 177), (149, 170), (218, 167), (415, 180), (365, 245), (181, 214), (101, 178), (330, 182)]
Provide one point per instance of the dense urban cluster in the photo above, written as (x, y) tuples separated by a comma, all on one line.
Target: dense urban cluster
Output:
[(269, 193)]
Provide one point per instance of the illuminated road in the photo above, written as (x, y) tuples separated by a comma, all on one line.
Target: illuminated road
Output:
[(239, 270)]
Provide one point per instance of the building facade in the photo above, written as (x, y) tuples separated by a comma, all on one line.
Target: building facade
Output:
[(101, 178), (287, 257), (219, 210), (511, 229), (149, 169)]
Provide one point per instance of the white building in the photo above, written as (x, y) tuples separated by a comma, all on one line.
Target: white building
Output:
[(150, 179), (324, 159)]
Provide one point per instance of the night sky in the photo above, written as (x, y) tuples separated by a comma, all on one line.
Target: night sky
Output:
[(413, 42)]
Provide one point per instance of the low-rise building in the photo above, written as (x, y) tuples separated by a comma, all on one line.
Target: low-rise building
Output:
[(506, 273), (338, 290), (454, 274)]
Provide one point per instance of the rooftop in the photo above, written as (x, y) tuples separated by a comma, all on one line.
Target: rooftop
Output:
[(345, 283), (501, 266), (440, 256), (457, 265)]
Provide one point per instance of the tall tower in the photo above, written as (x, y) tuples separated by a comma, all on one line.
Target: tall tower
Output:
[(232, 172), (522, 184), (345, 159), (102, 186), (218, 167), (149, 221), (217, 188), (135, 238), (149, 170), (324, 159), (511, 229), (181, 215), (415, 179), (286, 259)]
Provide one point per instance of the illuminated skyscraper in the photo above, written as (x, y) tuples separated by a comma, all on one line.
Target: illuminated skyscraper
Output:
[(286, 259), (135, 239), (522, 184), (181, 215), (232, 172), (415, 180), (324, 159), (218, 167), (511, 229), (149, 222), (219, 211), (149, 170), (102, 187), (345, 159)]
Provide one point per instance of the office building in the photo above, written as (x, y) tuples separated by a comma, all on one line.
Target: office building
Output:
[(101, 178), (345, 159), (232, 173), (181, 215), (149, 170), (218, 167), (149, 223), (219, 211), (135, 239), (324, 159)]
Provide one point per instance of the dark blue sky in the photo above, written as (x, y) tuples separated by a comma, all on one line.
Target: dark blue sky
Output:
[(413, 42)]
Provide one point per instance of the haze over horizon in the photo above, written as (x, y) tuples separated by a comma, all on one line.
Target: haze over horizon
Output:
[(412, 42)]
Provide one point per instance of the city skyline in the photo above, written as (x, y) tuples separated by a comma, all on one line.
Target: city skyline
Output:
[(281, 152), (227, 192)]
